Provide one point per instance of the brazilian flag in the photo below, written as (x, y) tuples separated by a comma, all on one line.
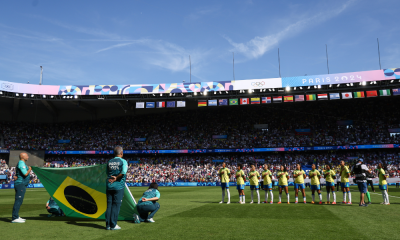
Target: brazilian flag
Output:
[(81, 191)]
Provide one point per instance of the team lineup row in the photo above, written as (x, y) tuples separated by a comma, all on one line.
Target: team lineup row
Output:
[(299, 175)]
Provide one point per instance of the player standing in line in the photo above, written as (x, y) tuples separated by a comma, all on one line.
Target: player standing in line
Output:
[(23, 176), (345, 174), (315, 176), (225, 174), (283, 177), (383, 184), (267, 176), (299, 176), (240, 177), (330, 183), (254, 176)]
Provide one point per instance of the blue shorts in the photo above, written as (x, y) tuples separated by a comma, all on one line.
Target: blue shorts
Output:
[(252, 187), (362, 187), (383, 187), (330, 184), (240, 187), (224, 185), (268, 186), (345, 185), (299, 185), (315, 187), (282, 186)]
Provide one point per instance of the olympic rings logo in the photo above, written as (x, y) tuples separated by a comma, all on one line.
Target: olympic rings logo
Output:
[(257, 84), (7, 86)]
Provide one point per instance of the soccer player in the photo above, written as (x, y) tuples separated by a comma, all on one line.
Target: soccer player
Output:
[(22, 173), (283, 177), (267, 176), (299, 176), (240, 177), (254, 176), (383, 184), (225, 175), (53, 208), (315, 176), (330, 183), (116, 176), (148, 204), (344, 175)]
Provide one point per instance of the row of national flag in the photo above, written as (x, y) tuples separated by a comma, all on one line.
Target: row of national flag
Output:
[(297, 98), (161, 104)]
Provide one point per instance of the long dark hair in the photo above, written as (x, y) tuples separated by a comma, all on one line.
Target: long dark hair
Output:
[(153, 185)]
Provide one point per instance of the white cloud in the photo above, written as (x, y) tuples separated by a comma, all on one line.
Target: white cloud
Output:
[(114, 46), (258, 46)]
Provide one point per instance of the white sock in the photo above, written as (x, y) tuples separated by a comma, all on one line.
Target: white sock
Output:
[(266, 196), (223, 195), (297, 199), (313, 198), (252, 191), (344, 196), (258, 195), (229, 195), (334, 196), (280, 197), (349, 193), (272, 196), (288, 198), (387, 196), (320, 197), (244, 198), (240, 198), (328, 196)]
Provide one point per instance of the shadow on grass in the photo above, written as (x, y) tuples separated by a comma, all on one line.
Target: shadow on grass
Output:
[(203, 202), (91, 225), (43, 217)]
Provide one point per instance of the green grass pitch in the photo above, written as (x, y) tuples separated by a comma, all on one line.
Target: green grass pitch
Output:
[(194, 213)]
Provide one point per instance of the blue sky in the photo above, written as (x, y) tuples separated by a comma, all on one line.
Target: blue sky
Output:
[(142, 42)]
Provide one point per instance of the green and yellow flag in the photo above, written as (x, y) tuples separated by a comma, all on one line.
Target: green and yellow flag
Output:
[(234, 101), (81, 191)]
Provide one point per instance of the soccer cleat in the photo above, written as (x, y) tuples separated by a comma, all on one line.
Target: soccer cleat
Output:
[(296, 202), (349, 203), (386, 204), (258, 202), (136, 217), (343, 202), (288, 202), (228, 203), (242, 202), (221, 202), (271, 202), (320, 202), (369, 203), (251, 202), (279, 202), (312, 202), (327, 203), (363, 205), (305, 202), (18, 221), (334, 203), (265, 202), (150, 220), (22, 219), (116, 228)]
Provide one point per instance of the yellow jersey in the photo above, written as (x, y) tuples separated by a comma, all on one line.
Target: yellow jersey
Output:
[(381, 174), (344, 177), (240, 177), (253, 177), (300, 178), (314, 176), (329, 174), (266, 175), (224, 174), (282, 178)]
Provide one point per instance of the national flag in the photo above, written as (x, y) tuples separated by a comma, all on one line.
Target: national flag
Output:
[(255, 100), (160, 104), (277, 99), (202, 103), (266, 100), (288, 98), (310, 97), (359, 94), (346, 95), (150, 105), (396, 91), (299, 98), (244, 101), (234, 101), (334, 96), (372, 93), (171, 104), (139, 104), (323, 96), (223, 102), (384, 92), (180, 103), (212, 103), (81, 192)]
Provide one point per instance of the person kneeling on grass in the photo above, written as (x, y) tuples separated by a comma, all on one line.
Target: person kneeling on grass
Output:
[(148, 204), (53, 209)]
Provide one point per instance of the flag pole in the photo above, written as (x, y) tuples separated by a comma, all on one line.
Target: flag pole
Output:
[(327, 62), (233, 56), (379, 54), (190, 62), (279, 61)]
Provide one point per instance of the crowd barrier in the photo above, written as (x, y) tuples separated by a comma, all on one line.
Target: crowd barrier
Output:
[(391, 181)]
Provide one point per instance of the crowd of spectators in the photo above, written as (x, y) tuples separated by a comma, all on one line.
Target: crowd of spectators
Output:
[(203, 168), (371, 120)]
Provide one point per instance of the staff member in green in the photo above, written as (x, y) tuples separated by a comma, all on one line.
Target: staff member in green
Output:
[(22, 174), (148, 204), (116, 176)]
